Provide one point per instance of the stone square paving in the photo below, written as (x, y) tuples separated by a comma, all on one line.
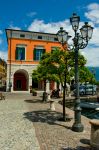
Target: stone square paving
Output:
[(16, 132), (26, 123)]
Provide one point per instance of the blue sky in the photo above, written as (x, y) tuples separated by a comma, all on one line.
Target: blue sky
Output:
[(48, 16)]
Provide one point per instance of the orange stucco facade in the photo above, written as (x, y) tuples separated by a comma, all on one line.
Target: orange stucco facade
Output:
[(20, 71), (30, 45)]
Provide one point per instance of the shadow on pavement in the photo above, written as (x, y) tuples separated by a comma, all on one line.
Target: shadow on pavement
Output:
[(85, 147), (78, 148), (51, 118), (42, 116), (85, 141), (45, 116), (33, 101)]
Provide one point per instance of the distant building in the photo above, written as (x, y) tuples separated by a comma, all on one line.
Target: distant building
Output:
[(25, 49), (3, 72)]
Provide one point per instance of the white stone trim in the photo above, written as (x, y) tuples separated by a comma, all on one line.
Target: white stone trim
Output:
[(23, 64), (15, 67), (21, 45)]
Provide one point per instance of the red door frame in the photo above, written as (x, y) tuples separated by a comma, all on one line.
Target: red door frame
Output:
[(20, 76)]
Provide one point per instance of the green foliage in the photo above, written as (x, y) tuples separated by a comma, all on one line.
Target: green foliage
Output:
[(97, 83), (33, 90), (34, 93), (54, 66), (85, 75)]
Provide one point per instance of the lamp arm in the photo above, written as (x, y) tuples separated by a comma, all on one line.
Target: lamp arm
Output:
[(83, 45)]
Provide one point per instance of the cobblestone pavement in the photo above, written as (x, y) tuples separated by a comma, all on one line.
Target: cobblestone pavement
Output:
[(53, 134), (26, 123), (16, 132)]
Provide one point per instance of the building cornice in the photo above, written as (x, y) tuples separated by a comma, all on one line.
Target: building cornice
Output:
[(22, 34)]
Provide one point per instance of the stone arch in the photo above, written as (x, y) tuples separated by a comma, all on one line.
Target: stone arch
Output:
[(21, 80)]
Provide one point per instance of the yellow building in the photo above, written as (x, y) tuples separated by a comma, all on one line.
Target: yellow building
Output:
[(3, 72)]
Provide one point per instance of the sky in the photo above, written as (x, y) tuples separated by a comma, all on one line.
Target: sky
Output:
[(49, 16)]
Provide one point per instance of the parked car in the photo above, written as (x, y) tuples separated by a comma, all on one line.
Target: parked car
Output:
[(88, 89)]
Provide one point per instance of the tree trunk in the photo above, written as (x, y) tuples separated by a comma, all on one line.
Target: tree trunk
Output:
[(45, 97)]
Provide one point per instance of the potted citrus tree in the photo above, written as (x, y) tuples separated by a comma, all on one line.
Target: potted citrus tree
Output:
[(34, 93)]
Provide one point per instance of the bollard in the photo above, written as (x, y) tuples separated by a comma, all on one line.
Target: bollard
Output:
[(45, 96), (52, 105)]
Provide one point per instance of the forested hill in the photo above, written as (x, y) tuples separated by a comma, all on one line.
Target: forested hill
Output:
[(96, 72)]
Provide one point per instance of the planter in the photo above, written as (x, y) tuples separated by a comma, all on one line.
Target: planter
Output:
[(34, 93), (94, 140)]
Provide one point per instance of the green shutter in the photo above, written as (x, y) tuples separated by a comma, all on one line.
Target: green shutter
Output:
[(43, 51), (52, 51), (16, 55), (19, 53), (20, 50), (23, 53), (34, 54)]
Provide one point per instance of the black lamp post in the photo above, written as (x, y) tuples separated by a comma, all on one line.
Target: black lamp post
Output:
[(93, 72), (63, 38), (80, 42)]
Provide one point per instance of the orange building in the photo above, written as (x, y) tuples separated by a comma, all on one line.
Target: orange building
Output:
[(25, 49)]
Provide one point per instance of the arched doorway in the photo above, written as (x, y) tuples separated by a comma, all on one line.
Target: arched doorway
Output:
[(21, 80)]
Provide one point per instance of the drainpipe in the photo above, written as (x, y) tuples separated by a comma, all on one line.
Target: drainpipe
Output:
[(10, 84)]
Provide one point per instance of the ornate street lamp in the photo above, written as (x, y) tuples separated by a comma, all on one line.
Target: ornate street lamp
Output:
[(63, 37), (80, 42)]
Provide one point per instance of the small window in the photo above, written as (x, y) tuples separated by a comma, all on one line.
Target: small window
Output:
[(22, 35), (55, 39), (39, 37)]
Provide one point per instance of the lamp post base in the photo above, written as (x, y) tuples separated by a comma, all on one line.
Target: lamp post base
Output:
[(65, 118), (77, 127)]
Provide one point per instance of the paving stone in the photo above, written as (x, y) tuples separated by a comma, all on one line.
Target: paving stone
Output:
[(53, 134), (27, 124), (16, 132)]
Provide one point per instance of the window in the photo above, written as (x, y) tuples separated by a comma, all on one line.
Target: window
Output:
[(22, 35), (38, 53), (55, 39), (39, 37), (20, 53)]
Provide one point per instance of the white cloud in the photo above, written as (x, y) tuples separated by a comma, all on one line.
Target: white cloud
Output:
[(53, 27), (31, 14), (93, 13), (91, 52), (93, 6), (14, 27), (3, 55), (95, 37), (92, 56)]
